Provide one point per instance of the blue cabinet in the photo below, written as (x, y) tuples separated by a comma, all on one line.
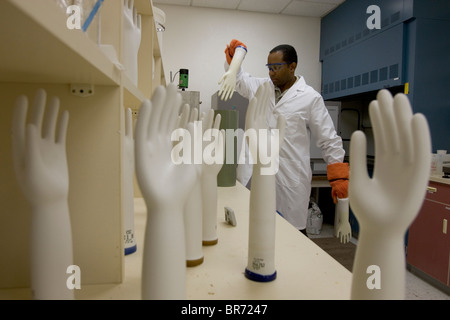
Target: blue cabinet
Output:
[(411, 47), (428, 75), (346, 26), (374, 64)]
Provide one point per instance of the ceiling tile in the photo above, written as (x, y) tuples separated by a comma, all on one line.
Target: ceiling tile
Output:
[(175, 2), (219, 4), (315, 8), (309, 8), (269, 6), (335, 2)]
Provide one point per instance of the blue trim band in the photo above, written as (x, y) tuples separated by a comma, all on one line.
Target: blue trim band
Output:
[(242, 48), (130, 250), (258, 277)]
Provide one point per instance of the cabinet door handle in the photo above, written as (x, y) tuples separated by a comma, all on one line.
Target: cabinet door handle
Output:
[(431, 189)]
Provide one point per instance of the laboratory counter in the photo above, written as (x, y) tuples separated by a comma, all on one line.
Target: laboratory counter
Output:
[(439, 179), (304, 270)]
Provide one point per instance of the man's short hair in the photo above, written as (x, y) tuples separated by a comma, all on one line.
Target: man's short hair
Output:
[(289, 53)]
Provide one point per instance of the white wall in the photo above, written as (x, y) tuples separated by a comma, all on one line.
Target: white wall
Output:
[(195, 39)]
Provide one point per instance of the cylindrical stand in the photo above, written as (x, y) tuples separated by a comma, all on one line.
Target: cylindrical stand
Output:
[(128, 190), (209, 198), (51, 251), (261, 239), (193, 225), (163, 266)]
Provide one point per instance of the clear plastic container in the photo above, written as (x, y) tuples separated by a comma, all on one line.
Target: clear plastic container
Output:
[(93, 29), (440, 160), (433, 164)]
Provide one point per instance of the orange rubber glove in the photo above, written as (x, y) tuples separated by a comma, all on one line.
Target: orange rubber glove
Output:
[(229, 51), (338, 174)]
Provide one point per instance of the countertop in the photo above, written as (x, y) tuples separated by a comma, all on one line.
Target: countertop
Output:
[(304, 271), (439, 179)]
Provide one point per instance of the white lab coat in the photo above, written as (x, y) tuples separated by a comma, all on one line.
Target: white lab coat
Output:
[(305, 114)]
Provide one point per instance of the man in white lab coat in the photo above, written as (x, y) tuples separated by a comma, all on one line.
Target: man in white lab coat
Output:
[(305, 114)]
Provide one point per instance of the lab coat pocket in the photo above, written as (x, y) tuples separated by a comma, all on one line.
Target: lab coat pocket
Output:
[(292, 124), (289, 173), (296, 133)]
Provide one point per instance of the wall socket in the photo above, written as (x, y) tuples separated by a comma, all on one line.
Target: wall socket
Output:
[(82, 90), (134, 113)]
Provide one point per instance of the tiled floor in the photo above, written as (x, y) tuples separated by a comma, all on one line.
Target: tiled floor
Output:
[(416, 288)]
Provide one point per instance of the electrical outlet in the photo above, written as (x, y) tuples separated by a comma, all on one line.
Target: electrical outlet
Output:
[(82, 90), (134, 113)]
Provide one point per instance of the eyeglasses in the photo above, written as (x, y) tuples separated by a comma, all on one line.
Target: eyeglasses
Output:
[(275, 66)]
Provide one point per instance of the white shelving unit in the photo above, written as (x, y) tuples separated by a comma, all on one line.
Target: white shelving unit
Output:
[(39, 51)]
